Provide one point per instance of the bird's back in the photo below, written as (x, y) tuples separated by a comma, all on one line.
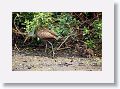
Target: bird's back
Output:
[(46, 34)]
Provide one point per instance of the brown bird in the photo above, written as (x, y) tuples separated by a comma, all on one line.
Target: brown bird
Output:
[(48, 36)]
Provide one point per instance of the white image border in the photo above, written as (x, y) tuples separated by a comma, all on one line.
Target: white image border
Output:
[(104, 76)]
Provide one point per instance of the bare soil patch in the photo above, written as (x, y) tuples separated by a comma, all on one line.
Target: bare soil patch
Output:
[(40, 61)]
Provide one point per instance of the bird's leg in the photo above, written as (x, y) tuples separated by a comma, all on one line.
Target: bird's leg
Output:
[(53, 53), (45, 46)]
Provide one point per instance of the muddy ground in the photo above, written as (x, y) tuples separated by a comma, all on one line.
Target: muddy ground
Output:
[(38, 60)]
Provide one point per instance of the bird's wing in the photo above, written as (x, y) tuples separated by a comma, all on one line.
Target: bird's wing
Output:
[(52, 32), (45, 34)]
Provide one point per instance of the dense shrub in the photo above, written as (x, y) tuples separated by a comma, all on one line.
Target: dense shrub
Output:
[(63, 23)]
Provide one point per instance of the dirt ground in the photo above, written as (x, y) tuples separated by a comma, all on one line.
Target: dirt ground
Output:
[(40, 61)]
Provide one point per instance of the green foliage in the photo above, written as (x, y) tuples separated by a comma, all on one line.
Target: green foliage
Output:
[(97, 24), (85, 31), (61, 23), (20, 17), (40, 20), (92, 36), (90, 43)]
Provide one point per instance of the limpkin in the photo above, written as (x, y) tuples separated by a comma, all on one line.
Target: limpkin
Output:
[(46, 35)]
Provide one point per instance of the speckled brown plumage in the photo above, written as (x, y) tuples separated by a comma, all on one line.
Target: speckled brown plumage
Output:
[(46, 34)]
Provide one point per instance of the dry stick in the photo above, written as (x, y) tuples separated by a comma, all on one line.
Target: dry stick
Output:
[(18, 31), (16, 26), (64, 41), (26, 39), (57, 49), (63, 48), (17, 47), (87, 21), (15, 31)]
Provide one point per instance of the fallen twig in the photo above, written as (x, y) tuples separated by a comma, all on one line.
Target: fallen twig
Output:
[(65, 40), (17, 47), (63, 48), (18, 32)]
